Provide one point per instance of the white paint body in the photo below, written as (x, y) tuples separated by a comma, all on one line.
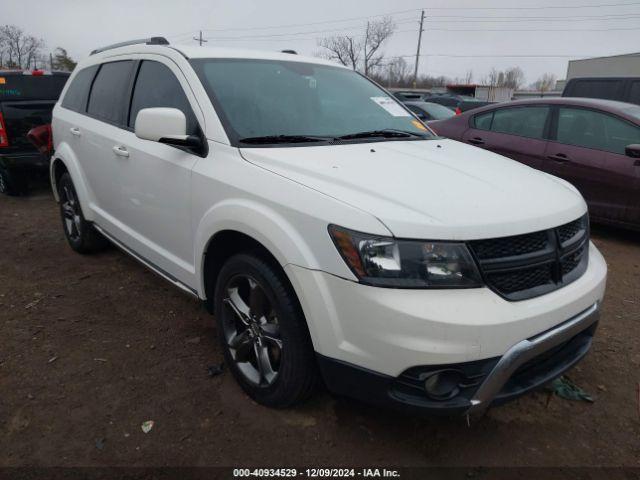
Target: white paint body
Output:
[(165, 205)]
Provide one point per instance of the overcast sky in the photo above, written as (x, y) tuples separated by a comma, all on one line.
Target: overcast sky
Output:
[(537, 35)]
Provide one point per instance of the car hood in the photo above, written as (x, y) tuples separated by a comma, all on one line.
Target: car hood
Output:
[(432, 189)]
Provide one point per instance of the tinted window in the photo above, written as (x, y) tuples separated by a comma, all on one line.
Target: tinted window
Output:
[(607, 89), (523, 121), (157, 86), (76, 97), (109, 90), (591, 129), (634, 93), (31, 87), (483, 121)]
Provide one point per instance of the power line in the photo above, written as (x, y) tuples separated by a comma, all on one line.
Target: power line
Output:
[(389, 14), (539, 7)]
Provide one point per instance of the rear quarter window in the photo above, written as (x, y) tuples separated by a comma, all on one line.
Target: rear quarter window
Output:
[(77, 94), (108, 93)]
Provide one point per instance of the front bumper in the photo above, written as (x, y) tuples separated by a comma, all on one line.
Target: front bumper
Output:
[(370, 339), (525, 367)]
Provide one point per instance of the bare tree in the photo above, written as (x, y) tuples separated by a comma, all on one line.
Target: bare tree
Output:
[(398, 72), (545, 83), (360, 52), (22, 50), (376, 34), (513, 78), (345, 49)]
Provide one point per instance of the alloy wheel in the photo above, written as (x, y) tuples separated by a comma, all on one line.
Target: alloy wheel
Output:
[(252, 330), (71, 212)]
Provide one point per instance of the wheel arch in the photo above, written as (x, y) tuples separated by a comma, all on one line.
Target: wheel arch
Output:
[(63, 161)]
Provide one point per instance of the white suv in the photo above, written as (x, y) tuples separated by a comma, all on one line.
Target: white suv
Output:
[(330, 232)]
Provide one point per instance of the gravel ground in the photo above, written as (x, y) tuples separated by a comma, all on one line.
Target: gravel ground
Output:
[(93, 346)]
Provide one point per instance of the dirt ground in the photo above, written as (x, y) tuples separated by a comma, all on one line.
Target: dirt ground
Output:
[(93, 346)]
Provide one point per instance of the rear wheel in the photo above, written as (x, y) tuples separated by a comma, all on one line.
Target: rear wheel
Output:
[(81, 235), (263, 332)]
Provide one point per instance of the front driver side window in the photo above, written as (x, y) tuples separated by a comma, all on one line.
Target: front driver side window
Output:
[(157, 86)]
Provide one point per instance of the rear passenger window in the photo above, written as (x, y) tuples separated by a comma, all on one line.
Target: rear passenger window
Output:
[(157, 86), (522, 121), (108, 93), (76, 97), (591, 129), (483, 121)]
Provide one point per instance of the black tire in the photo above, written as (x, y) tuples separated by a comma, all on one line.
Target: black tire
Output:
[(12, 182), (297, 374), (80, 234)]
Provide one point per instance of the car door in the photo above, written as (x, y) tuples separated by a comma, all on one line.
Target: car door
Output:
[(588, 150), (100, 129), (155, 191), (515, 132)]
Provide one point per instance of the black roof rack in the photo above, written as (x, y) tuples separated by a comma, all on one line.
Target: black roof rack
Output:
[(147, 41)]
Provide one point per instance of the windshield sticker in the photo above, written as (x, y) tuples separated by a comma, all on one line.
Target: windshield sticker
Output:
[(418, 124), (391, 106), (3, 80)]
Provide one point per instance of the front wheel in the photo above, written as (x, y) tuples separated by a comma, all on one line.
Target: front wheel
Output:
[(263, 332), (81, 235)]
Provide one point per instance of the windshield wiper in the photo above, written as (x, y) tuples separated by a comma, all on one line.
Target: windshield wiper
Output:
[(386, 133), (271, 139)]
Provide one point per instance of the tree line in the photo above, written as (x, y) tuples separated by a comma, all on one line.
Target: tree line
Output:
[(364, 53), (21, 51)]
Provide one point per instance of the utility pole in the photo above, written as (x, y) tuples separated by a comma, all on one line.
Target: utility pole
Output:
[(200, 40), (51, 61), (415, 73)]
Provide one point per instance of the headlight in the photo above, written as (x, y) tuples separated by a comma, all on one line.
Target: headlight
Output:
[(387, 262)]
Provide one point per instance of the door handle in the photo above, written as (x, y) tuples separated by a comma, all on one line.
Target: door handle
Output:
[(75, 131), (476, 141), (559, 157), (120, 151)]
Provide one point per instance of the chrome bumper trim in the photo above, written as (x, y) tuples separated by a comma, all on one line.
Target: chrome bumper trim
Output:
[(527, 349)]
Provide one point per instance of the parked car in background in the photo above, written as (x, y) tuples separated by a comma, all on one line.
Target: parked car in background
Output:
[(458, 103), (622, 89), (26, 101), (332, 235), (427, 111), (409, 96), (594, 144)]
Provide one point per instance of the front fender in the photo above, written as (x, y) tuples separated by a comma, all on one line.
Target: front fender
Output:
[(257, 221), (65, 155)]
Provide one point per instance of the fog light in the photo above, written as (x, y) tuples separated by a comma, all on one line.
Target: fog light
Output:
[(443, 384)]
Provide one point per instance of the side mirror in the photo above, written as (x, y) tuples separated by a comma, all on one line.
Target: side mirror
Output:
[(157, 123), (632, 150), (166, 125)]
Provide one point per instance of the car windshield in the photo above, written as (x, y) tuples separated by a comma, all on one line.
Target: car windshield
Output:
[(287, 102), (438, 112)]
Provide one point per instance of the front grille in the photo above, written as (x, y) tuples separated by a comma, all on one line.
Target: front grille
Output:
[(526, 266)]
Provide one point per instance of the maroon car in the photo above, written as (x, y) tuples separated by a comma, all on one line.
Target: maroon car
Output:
[(592, 143)]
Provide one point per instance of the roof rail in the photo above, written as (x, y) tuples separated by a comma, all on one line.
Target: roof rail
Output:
[(147, 41)]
